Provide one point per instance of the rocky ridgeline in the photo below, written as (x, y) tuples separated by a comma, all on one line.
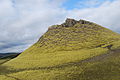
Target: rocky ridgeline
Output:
[(70, 23)]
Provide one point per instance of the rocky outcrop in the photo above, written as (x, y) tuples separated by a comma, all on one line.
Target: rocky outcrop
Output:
[(84, 22), (71, 22)]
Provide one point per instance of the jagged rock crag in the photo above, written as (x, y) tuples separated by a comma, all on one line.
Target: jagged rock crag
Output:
[(71, 22)]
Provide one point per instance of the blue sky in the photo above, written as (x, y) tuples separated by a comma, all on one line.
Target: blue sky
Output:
[(80, 4), (22, 22), (70, 4)]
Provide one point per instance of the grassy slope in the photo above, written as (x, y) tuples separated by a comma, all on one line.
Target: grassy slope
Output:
[(100, 68), (3, 61), (72, 40), (62, 46)]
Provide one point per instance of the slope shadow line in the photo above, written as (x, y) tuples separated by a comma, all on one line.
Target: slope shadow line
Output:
[(12, 77)]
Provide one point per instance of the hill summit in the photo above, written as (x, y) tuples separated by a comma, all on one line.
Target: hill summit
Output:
[(71, 22), (75, 35)]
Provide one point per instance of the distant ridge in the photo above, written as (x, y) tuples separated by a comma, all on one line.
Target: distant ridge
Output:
[(8, 55)]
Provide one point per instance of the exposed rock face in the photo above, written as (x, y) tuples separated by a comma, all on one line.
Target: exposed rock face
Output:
[(84, 22), (71, 22)]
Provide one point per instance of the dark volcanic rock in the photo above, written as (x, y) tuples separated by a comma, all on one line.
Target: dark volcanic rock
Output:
[(84, 22), (71, 22)]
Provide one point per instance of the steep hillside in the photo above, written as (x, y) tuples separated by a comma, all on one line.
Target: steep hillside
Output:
[(68, 52)]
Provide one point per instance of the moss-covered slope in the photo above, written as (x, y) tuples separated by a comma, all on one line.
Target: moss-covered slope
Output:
[(104, 67), (70, 36), (71, 42)]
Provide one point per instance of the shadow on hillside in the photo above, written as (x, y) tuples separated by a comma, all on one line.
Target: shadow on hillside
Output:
[(3, 70), (105, 69), (6, 70)]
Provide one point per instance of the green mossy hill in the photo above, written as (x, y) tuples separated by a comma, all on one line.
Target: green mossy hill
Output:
[(64, 52), (76, 35), (61, 40)]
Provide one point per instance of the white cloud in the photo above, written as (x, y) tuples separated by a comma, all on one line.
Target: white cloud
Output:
[(22, 22), (89, 3)]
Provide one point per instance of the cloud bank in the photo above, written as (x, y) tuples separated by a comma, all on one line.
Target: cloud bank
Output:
[(22, 22)]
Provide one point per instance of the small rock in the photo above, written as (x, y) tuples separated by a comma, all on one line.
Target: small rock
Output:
[(69, 22)]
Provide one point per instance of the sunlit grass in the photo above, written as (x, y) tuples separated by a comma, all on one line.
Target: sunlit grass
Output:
[(53, 59), (59, 52), (104, 69), (3, 77)]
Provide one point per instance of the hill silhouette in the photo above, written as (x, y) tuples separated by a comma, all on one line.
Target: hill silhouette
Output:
[(69, 51)]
